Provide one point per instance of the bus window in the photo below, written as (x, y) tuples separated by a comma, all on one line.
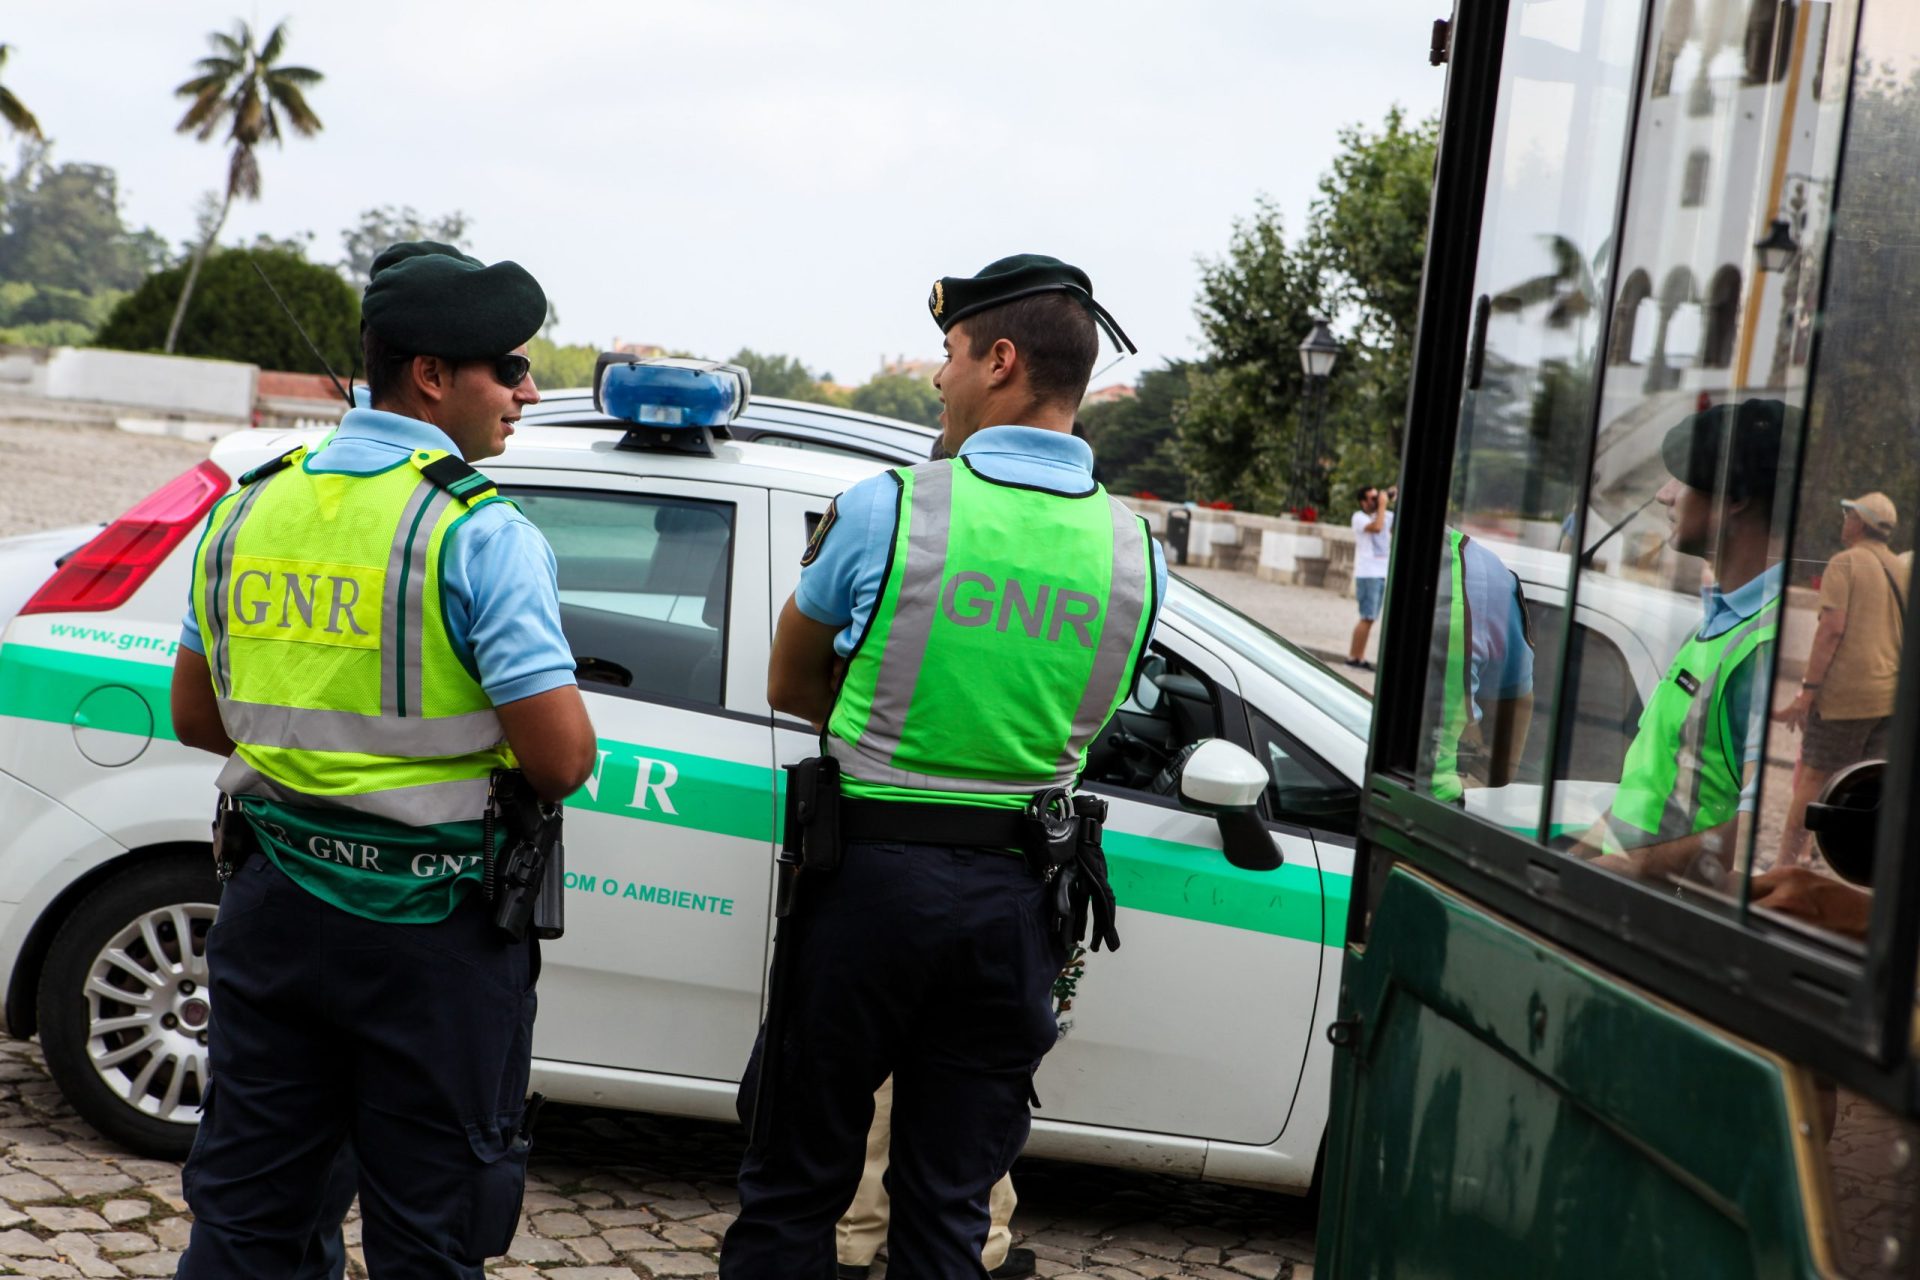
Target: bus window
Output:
[(1702, 416), (1544, 273), (1851, 547)]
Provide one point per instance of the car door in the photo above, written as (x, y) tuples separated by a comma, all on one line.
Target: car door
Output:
[(664, 599), (1198, 1025)]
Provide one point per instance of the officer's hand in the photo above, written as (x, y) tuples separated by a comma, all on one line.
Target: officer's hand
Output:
[(1818, 899)]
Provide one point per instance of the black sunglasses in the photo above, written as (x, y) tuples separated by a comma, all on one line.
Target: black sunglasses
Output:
[(511, 371)]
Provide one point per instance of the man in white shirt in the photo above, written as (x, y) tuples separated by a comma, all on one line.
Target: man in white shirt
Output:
[(1372, 533)]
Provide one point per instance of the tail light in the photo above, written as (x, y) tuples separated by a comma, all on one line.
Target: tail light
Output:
[(106, 572)]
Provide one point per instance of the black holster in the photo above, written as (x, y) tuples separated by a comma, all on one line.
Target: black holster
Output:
[(233, 838), (1082, 894), (525, 859)]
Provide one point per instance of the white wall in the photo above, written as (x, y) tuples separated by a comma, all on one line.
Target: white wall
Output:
[(161, 384)]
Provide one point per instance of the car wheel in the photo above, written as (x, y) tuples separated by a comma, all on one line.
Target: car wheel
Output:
[(124, 1005)]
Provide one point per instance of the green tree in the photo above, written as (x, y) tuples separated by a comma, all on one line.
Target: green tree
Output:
[(390, 224), (1135, 439), (1236, 437), (1361, 259), (556, 366), (247, 89), (14, 111), (898, 395), (60, 228), (236, 318), (782, 376)]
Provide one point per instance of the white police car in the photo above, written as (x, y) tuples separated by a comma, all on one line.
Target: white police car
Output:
[(1193, 1050)]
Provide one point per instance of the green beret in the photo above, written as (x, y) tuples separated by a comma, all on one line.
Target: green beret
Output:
[(413, 249), (1731, 451), (954, 298), (433, 300)]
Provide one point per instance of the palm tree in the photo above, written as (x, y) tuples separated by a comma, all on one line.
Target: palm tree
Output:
[(245, 88), (14, 111)]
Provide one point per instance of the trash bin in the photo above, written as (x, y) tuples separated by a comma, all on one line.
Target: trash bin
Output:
[(1179, 526)]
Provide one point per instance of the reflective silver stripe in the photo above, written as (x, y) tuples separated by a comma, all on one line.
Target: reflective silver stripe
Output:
[(867, 766), (416, 616), (218, 571), (929, 518), (1126, 601), (1682, 809), (429, 804), (392, 660), (262, 724)]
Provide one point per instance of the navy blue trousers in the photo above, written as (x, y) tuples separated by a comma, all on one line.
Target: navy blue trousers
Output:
[(930, 963), (411, 1041)]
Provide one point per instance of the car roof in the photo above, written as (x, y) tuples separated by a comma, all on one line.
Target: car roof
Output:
[(593, 448), (803, 422)]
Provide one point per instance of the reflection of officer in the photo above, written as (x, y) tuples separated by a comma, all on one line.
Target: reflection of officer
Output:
[(990, 610), (1486, 656), (373, 632), (1687, 788)]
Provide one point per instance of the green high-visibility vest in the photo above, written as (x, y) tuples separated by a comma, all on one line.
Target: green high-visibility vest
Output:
[(1005, 636), (1456, 689), (363, 745), (1683, 773)]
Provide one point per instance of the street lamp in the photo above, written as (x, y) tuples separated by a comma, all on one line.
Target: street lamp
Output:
[(1778, 249), (1318, 353)]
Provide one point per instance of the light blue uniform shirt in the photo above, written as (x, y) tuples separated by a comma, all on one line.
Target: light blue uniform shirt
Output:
[(1502, 658), (1722, 611), (501, 584), (842, 586)]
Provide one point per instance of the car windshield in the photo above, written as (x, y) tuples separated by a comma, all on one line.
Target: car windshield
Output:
[(1284, 661)]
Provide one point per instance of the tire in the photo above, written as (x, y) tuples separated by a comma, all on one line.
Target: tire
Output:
[(124, 1005)]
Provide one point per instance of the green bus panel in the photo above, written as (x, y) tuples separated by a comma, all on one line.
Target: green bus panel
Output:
[(1500, 1109)]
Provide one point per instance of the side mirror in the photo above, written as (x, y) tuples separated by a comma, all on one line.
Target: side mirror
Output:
[(1844, 817), (1146, 686), (1216, 777)]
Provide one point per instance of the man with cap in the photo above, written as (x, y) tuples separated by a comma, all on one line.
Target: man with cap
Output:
[(1845, 700), (373, 633), (1685, 803), (987, 613)]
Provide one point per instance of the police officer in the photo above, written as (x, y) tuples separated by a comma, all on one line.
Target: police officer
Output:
[(1482, 670), (373, 632), (1687, 792), (988, 611)]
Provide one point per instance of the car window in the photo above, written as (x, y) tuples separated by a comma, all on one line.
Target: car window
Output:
[(817, 446), (1136, 749), (1304, 789), (644, 584), (1606, 706)]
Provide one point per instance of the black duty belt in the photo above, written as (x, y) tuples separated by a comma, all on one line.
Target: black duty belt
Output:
[(906, 822)]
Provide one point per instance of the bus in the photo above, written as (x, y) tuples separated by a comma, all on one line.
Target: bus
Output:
[(1628, 987)]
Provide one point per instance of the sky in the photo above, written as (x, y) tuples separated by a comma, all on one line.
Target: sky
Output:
[(785, 175)]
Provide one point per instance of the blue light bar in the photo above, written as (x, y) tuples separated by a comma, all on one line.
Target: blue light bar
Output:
[(669, 392)]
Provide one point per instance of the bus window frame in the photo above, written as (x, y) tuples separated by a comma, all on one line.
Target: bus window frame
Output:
[(1841, 1013)]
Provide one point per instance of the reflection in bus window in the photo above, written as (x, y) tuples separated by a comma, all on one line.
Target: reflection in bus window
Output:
[(1692, 488), (1542, 281), (1852, 548)]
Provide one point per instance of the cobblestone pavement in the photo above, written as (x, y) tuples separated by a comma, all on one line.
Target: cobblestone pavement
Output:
[(1319, 621), (614, 1196)]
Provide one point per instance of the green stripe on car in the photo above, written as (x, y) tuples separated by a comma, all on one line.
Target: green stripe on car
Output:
[(726, 797)]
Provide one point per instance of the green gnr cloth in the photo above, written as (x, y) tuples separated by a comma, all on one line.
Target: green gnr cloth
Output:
[(363, 746), (1006, 634), (1683, 773)]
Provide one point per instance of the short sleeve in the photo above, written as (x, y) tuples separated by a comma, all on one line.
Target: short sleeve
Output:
[(503, 605), (1836, 584), (1516, 673), (1360, 521), (840, 582)]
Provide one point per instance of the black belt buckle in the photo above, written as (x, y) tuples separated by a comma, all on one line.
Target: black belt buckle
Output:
[(1051, 830)]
